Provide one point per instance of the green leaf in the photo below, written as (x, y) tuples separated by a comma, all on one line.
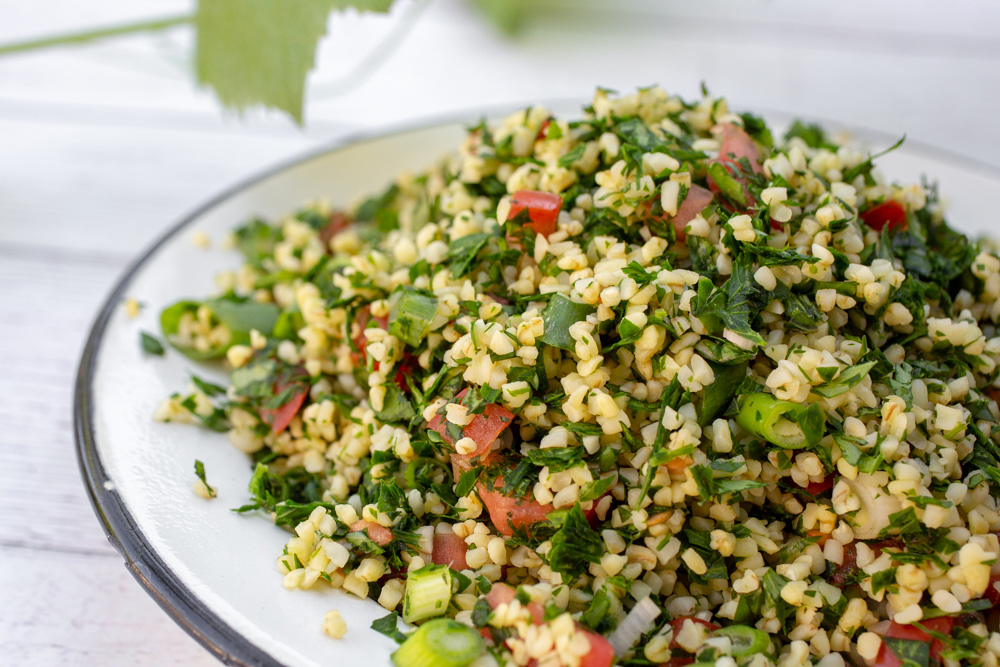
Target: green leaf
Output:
[(463, 252), (199, 470), (255, 53), (395, 407), (467, 481), (411, 316), (244, 315), (641, 276), (387, 626), (575, 545), (150, 344), (911, 653), (559, 315), (730, 188), (557, 458), (597, 488), (847, 380), (718, 395)]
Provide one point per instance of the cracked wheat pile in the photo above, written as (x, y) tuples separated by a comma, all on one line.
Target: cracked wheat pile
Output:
[(651, 387)]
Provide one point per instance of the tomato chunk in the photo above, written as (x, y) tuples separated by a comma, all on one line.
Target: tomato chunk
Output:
[(601, 653), (694, 203), (677, 661), (543, 209), (280, 417), (678, 623), (992, 594), (484, 429), (942, 625), (505, 511), (501, 593), (378, 533), (339, 221), (450, 550), (822, 486), (736, 144), (360, 358), (849, 566), (890, 213)]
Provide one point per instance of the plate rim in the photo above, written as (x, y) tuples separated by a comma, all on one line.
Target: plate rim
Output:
[(182, 605)]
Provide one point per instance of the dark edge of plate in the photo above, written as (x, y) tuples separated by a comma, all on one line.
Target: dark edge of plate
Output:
[(182, 605)]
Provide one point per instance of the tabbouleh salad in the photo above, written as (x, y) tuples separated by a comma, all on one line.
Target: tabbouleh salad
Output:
[(651, 387)]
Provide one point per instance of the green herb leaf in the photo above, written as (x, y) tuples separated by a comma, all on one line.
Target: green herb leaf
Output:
[(199, 470), (843, 383), (387, 625), (410, 317), (561, 313), (575, 545), (597, 488), (150, 344)]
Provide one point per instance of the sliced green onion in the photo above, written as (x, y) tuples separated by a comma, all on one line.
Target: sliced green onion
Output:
[(783, 423), (440, 643), (745, 640), (428, 592), (410, 317)]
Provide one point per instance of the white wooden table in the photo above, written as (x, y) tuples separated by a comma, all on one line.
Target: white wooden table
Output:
[(103, 147)]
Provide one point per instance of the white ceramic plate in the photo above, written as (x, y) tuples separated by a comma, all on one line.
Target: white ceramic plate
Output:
[(213, 570)]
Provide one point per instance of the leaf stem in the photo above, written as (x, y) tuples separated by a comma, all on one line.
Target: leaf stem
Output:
[(155, 25)]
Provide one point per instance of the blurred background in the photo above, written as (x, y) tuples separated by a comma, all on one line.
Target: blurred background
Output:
[(105, 145)]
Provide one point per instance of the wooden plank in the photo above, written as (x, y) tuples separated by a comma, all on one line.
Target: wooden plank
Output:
[(67, 609)]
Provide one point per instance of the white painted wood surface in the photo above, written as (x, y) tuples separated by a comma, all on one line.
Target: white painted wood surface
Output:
[(103, 147)]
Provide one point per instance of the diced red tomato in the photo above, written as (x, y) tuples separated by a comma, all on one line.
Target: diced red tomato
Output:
[(849, 566), (601, 653), (678, 623), (736, 144), (502, 594), (379, 534), (360, 358), (279, 418), (591, 514), (405, 368), (992, 594), (505, 511), (543, 209), (695, 201), (484, 429), (339, 221), (942, 625), (678, 661), (889, 212), (822, 486), (450, 550), (543, 129)]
